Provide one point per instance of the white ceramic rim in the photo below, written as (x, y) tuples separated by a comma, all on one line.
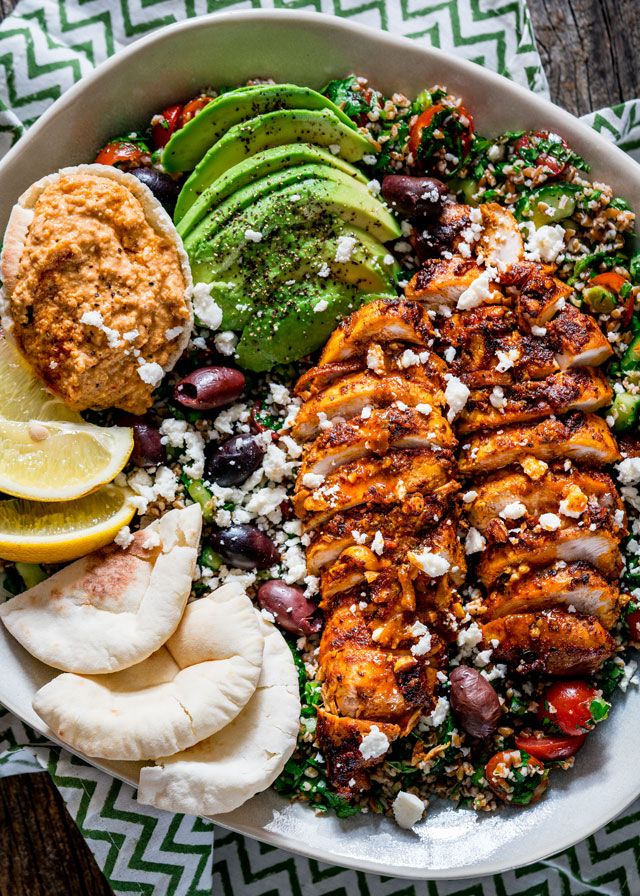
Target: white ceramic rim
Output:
[(621, 163)]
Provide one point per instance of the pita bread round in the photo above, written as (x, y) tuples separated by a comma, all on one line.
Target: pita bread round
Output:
[(243, 759), (113, 608), (186, 691), (22, 215)]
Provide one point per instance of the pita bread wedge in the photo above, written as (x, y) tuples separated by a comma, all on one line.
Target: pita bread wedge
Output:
[(113, 608), (185, 692), (223, 772), (97, 281)]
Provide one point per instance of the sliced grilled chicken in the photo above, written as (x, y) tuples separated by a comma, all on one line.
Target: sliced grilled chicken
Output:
[(583, 389), (362, 680), (500, 244), (389, 360), (441, 282), (553, 642), (539, 295), (409, 517), (534, 547), (574, 585), (581, 437), (376, 480), (340, 739), (383, 429), (492, 352), (348, 397), (569, 495), (382, 322)]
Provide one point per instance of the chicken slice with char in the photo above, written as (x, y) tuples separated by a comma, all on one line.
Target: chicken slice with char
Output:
[(348, 397), (441, 282), (575, 585), (583, 389), (553, 642), (500, 244), (339, 739), (577, 339), (408, 517), (376, 480), (538, 294), (381, 321), (383, 429), (531, 547), (543, 495), (584, 438)]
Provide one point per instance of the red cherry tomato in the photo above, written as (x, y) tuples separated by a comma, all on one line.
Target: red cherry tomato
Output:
[(191, 109), (123, 153), (162, 131), (627, 311), (520, 792), (633, 621), (569, 706), (530, 140), (547, 748), (610, 280), (425, 118)]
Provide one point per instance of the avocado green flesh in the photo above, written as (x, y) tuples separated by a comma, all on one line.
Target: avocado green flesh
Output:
[(270, 161), (188, 145), (273, 129), (301, 203), (296, 255), (290, 328)]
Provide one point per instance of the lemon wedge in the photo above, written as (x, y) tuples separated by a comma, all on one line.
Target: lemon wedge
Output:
[(47, 451), (58, 461), (36, 532)]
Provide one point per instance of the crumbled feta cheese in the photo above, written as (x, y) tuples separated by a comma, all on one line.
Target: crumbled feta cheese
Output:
[(474, 542), (253, 236), (344, 248), (438, 715), (550, 522), (169, 335), (450, 354), (377, 545), (374, 744), (470, 496), (95, 319), (478, 292), (538, 331), (225, 342), (132, 335), (420, 631), (468, 638), (513, 511), (424, 408), (320, 306), (434, 565), (408, 809), (205, 309), (497, 399), (629, 471), (456, 395), (506, 360), (124, 537), (266, 500), (150, 372), (312, 480), (374, 187), (324, 270), (543, 243), (366, 412), (574, 503), (359, 537), (375, 359)]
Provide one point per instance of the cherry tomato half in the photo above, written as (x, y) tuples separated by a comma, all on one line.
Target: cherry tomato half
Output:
[(425, 118), (633, 622), (531, 140), (122, 153), (516, 777), (576, 706), (162, 130), (610, 280), (191, 109), (547, 748)]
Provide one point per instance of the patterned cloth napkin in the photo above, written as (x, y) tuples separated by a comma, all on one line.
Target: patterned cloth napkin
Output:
[(45, 47)]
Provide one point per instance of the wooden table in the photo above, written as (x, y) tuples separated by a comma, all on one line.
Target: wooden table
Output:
[(589, 50)]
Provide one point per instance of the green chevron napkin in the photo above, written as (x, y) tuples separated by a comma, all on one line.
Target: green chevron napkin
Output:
[(45, 47)]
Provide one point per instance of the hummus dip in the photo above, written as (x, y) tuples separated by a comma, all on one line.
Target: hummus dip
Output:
[(100, 304)]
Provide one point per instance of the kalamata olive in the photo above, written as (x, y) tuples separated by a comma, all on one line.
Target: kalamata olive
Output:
[(474, 702), (163, 187), (245, 547), (232, 462), (209, 387), (148, 450), (292, 610), (414, 196)]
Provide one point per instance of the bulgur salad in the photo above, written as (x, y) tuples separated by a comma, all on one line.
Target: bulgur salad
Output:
[(406, 414)]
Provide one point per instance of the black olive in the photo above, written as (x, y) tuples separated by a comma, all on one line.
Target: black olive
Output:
[(232, 462), (209, 387), (163, 187), (245, 547), (148, 450), (414, 196)]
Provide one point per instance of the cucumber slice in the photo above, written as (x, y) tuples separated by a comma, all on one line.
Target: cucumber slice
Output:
[(548, 205), (625, 410), (631, 359), (599, 299)]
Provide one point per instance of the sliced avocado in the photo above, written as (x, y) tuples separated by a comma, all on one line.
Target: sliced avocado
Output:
[(273, 129), (291, 328), (357, 205), (188, 145), (296, 256), (263, 163), (301, 205)]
